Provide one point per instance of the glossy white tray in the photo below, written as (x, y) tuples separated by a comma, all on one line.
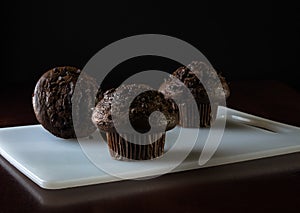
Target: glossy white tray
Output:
[(55, 163)]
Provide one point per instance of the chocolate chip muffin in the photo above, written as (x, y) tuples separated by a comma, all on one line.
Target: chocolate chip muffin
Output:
[(207, 109), (134, 129), (53, 97)]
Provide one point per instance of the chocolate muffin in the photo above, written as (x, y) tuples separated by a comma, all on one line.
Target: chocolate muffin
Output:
[(53, 97), (125, 107), (207, 109)]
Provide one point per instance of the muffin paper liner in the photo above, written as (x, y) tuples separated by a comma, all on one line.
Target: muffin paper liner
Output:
[(121, 149), (188, 119)]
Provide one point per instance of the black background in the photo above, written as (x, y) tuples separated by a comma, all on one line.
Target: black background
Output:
[(242, 40)]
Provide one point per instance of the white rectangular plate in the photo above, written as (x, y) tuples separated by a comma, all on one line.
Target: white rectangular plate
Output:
[(55, 163)]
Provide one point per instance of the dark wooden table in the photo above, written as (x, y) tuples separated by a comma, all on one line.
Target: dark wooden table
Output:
[(270, 184)]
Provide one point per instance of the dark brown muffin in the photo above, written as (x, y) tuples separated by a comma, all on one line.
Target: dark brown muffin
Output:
[(52, 102), (206, 108), (139, 111)]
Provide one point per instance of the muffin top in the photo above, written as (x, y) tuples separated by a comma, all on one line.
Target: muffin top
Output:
[(128, 100), (52, 101), (172, 88)]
